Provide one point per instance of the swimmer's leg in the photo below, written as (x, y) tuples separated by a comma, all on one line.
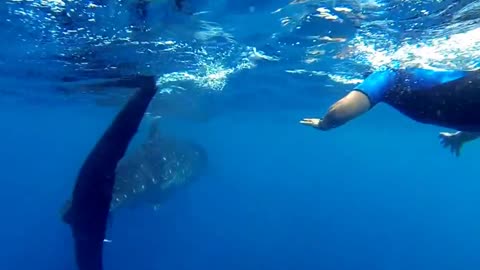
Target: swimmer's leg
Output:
[(92, 194), (124, 82), (456, 140)]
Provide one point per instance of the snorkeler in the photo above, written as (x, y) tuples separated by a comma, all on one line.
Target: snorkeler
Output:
[(88, 209), (448, 99)]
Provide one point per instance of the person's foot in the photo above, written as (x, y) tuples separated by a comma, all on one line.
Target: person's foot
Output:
[(452, 141)]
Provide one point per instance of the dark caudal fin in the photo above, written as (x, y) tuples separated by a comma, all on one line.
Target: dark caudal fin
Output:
[(89, 207)]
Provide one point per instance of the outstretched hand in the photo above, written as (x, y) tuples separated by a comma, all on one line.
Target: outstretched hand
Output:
[(452, 141), (313, 122)]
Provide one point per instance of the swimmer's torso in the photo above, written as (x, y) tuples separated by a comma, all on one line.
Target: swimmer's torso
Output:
[(445, 98)]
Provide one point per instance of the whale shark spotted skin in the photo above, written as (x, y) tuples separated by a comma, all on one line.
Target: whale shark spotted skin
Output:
[(157, 168)]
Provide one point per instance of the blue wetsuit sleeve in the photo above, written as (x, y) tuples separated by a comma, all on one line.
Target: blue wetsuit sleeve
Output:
[(377, 84)]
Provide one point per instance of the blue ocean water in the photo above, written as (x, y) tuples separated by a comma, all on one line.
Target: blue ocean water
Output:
[(236, 77)]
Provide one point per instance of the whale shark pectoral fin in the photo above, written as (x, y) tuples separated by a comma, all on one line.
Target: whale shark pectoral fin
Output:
[(153, 199), (154, 132), (109, 220), (65, 212)]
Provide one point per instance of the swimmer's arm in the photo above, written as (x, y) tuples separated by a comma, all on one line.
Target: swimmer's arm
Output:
[(351, 106)]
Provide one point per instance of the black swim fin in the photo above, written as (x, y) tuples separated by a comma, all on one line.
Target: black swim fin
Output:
[(92, 194)]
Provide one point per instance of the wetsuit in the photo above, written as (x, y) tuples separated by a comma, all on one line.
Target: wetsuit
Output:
[(445, 98), (88, 210)]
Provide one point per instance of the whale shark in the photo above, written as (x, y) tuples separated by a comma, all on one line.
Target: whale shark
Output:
[(110, 176), (156, 169)]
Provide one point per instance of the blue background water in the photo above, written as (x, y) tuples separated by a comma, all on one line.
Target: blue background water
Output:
[(379, 193)]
